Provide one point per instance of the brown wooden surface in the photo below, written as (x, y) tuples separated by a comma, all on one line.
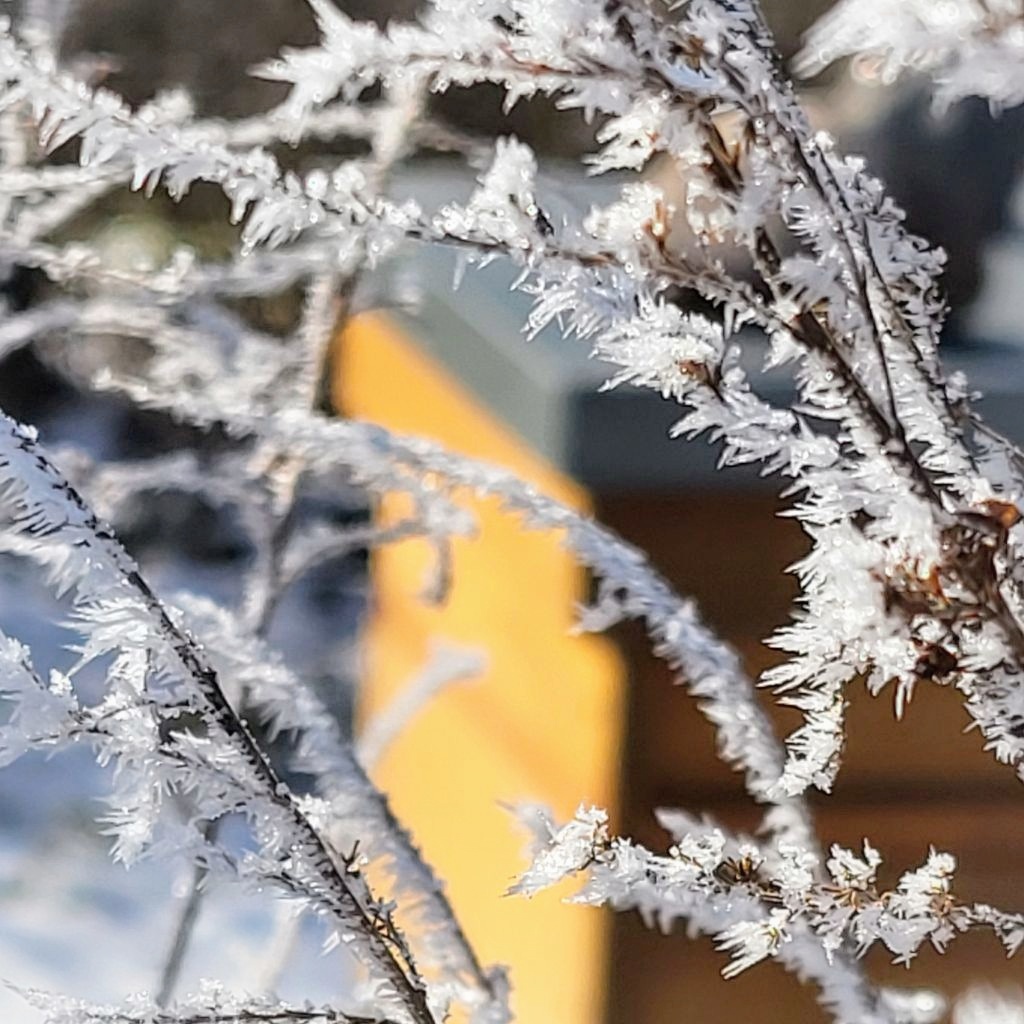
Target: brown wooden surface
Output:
[(904, 784)]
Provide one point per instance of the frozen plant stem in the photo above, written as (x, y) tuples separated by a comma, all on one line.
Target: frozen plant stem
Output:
[(445, 668), (265, 593), (31, 470), (328, 304), (912, 507)]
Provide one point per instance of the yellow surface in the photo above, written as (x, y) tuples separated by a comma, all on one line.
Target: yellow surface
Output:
[(545, 722)]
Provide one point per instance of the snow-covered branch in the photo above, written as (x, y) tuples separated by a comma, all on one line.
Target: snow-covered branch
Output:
[(226, 771), (384, 462), (760, 904), (970, 47), (211, 1005), (855, 312), (911, 504)]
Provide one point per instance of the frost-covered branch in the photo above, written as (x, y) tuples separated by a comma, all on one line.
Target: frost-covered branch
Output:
[(363, 818), (355, 815), (121, 613), (447, 666), (970, 47), (300, 376), (382, 462), (855, 311), (211, 1005), (760, 904), (912, 506)]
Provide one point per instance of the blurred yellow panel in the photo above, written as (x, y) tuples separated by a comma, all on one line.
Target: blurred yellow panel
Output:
[(546, 721)]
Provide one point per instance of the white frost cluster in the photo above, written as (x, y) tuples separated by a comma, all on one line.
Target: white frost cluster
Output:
[(760, 903), (970, 47), (210, 1003)]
